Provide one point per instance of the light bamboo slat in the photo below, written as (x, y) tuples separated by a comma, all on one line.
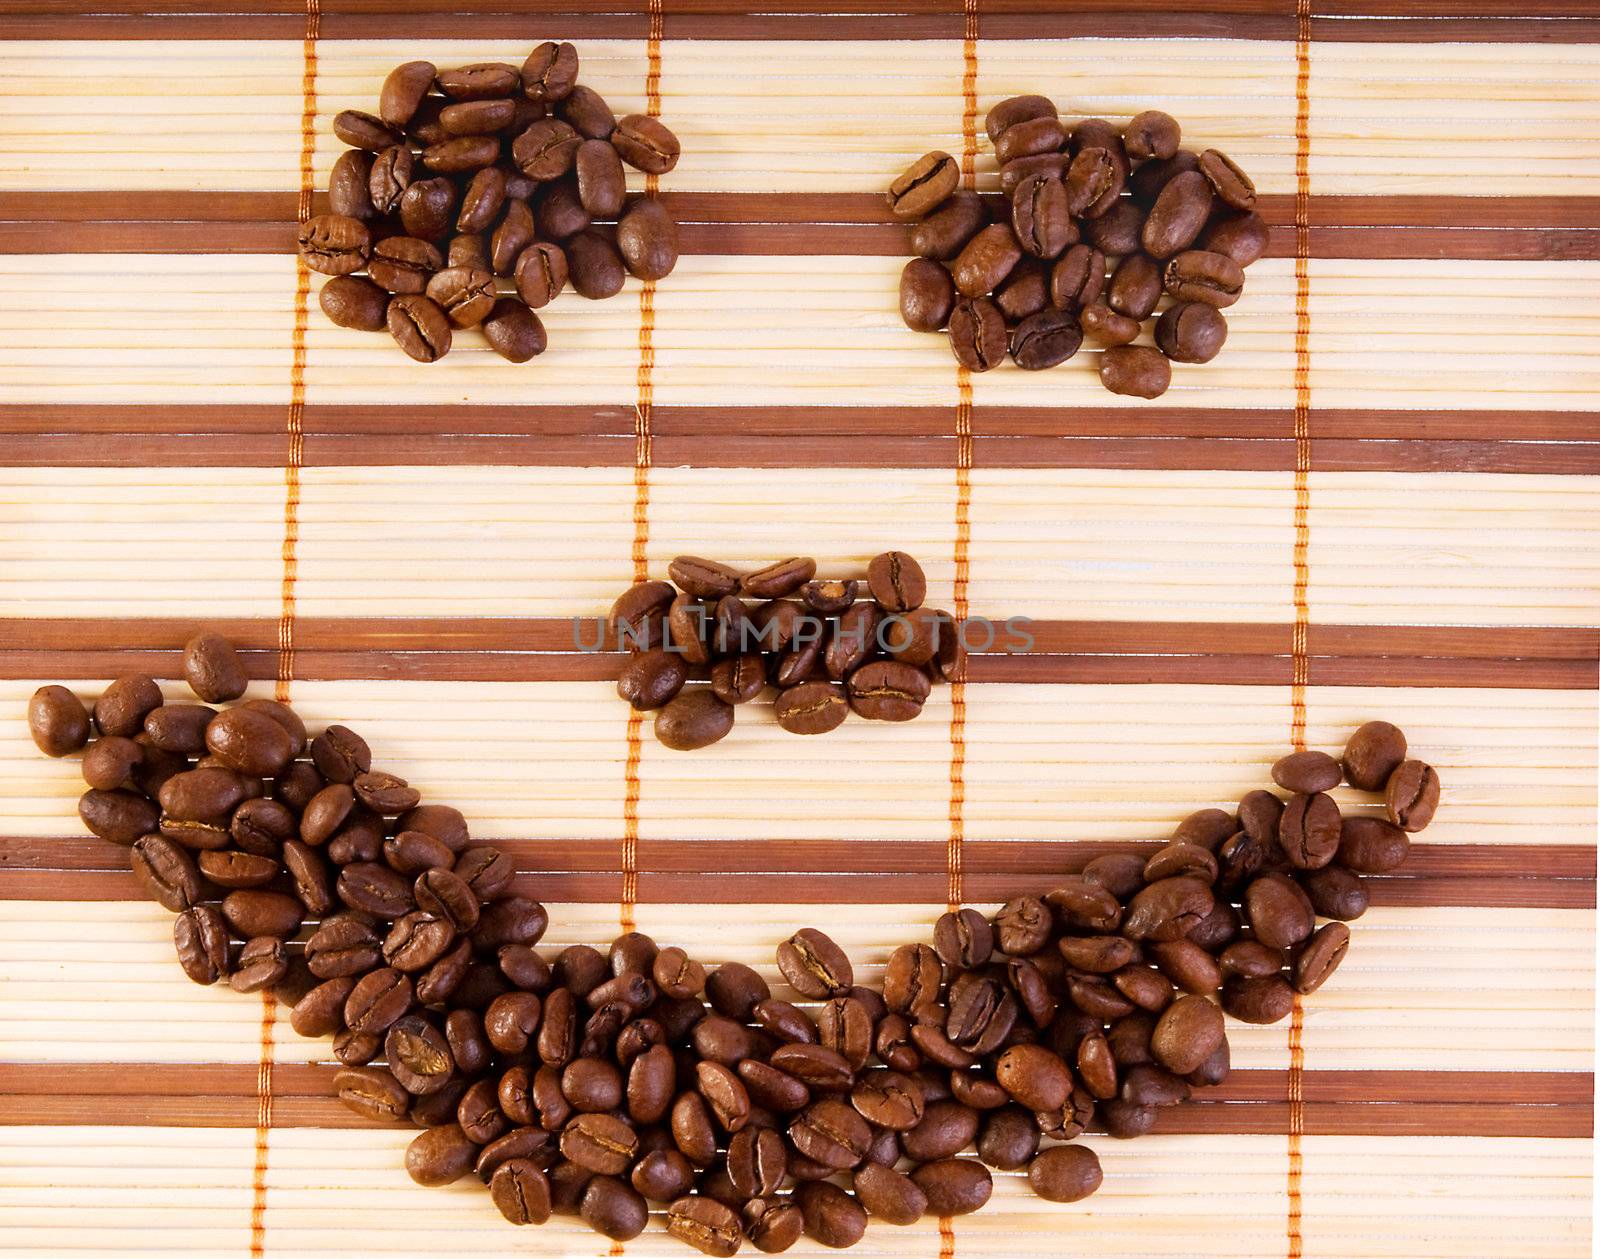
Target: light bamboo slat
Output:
[(1422, 989), (1216, 1197), (1141, 545), (793, 116), (754, 331), (1043, 762)]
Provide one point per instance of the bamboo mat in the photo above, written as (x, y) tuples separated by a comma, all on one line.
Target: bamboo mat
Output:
[(1382, 499)]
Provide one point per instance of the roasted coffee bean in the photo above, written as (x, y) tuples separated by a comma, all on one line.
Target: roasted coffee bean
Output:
[(1180, 859), (1124, 1120), (479, 81), (1309, 830), (1099, 955), (377, 1000), (481, 203), (201, 938), (1321, 956), (440, 1156), (250, 742), (896, 581), (1370, 845), (1008, 1139), (756, 1161), (465, 294), (943, 233), (954, 1186), (167, 873), (1373, 753), (663, 1175), (1198, 276), (1187, 965), (1278, 911), (601, 1143), (320, 1012), (1168, 909), (108, 763), (353, 301), (1268, 1000), (1151, 134), (707, 1225), (349, 191), (1065, 1173), (588, 113), (924, 185), (1015, 109), (520, 1191), (1022, 927), (1231, 184), (527, 1142), (1136, 370), (1242, 236), (340, 754), (510, 920), (402, 264), (342, 945), (1094, 181), (817, 1067), (1191, 332), (1120, 874), (645, 144), (1412, 795), (831, 1217), (845, 1025), (416, 941), (1187, 1034), (946, 1129), (1135, 286), (1025, 292), (1077, 278), (1116, 232), (513, 236), (1085, 905), (695, 719), (364, 131), (1177, 215), (335, 244), (1034, 1077), (541, 274), (594, 266), (963, 939), (1152, 176), (1107, 327), (412, 852), (725, 1095), (647, 239), (419, 1058), (986, 260), (179, 727), (385, 794), (1143, 987), (427, 209), (461, 154), (513, 331), (927, 295), (212, 668), (830, 1132), (912, 979), (123, 707), (1335, 892), (120, 816), (814, 965), (651, 678), (889, 1195), (1046, 339), (477, 118), (1040, 218), (601, 184), (1030, 137), (419, 327), (1251, 959), (372, 1093)]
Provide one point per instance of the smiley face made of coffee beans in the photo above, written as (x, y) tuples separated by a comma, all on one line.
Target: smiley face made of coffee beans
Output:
[(609, 1084)]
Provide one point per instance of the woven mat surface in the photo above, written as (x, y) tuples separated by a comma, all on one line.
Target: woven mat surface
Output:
[(1382, 499)]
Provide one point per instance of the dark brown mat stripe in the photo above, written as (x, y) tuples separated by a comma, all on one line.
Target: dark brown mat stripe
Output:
[(1368, 1103), (1467, 228), (487, 649), (1392, 21), (823, 871)]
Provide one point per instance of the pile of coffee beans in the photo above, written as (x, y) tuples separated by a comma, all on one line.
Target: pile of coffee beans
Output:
[(713, 638), (608, 1085), (1027, 271), (470, 184)]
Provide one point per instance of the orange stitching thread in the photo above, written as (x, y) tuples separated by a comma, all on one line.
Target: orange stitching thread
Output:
[(643, 454), (1302, 560), (258, 1175), (947, 1238)]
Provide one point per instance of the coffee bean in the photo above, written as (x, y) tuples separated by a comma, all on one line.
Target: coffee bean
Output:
[(201, 939), (353, 301), (1151, 134), (167, 873), (811, 708), (1117, 231), (335, 244), (109, 761), (707, 1225), (349, 193), (1321, 957), (946, 1129), (647, 239), (1046, 339), (1077, 278), (1040, 218), (1191, 332), (927, 295), (427, 209), (924, 185), (120, 816), (1106, 326), (954, 1186), (831, 1217), (694, 719), (440, 1156), (1034, 1077), (1136, 370), (250, 742), (1120, 874), (1336, 892), (1135, 286), (1310, 828), (1278, 911), (1268, 1000), (1065, 1173), (389, 174), (1030, 137), (465, 294), (594, 265), (1231, 184), (419, 327), (364, 131), (377, 1000), (520, 1191), (814, 965), (513, 331), (58, 721), (1241, 236), (1094, 181), (1167, 910), (1370, 845), (1198, 276), (645, 144), (463, 154), (943, 234), (1085, 905), (125, 705), (1016, 109), (512, 238), (1412, 795), (986, 260), (1177, 215)]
